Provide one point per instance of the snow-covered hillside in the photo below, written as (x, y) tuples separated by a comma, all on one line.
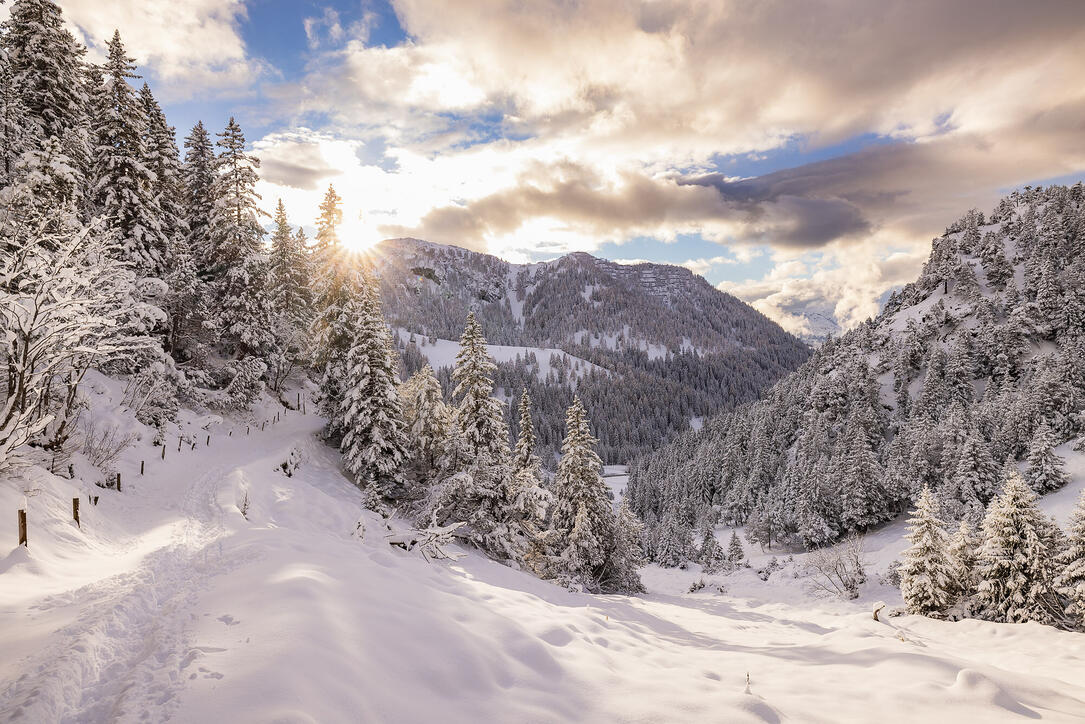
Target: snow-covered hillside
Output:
[(170, 603), (649, 346)]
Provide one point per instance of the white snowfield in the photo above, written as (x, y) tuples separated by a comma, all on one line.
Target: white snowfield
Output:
[(170, 605)]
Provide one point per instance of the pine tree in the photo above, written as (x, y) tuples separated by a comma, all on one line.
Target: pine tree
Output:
[(1045, 471), (1014, 569), (124, 186), (712, 557), (199, 196), (245, 313), (479, 416), (288, 296), (431, 453), (1071, 565), (527, 497), (963, 551), (926, 573), (46, 71), (735, 554), (673, 548), (591, 550), (327, 251), (374, 445), (163, 160), (235, 230), (333, 332), (863, 501)]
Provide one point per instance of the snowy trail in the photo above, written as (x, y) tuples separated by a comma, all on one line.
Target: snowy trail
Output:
[(125, 654)]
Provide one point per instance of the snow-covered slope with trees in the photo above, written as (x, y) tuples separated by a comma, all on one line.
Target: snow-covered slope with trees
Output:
[(217, 586), (646, 346), (975, 366)]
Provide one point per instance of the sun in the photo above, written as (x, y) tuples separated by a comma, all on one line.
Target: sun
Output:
[(357, 235)]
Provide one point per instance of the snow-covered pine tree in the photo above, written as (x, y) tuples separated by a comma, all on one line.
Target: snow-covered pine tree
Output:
[(235, 230), (1014, 570), (589, 552), (432, 444), (528, 499), (712, 557), (333, 331), (46, 71), (162, 158), (199, 196), (245, 315), (1045, 472), (926, 573), (288, 294), (479, 417), (963, 550), (620, 573), (327, 252), (735, 554), (374, 445), (124, 184), (1070, 581)]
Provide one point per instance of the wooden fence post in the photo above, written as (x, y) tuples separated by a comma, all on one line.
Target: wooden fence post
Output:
[(179, 440), (118, 482), (208, 441), (75, 511), (22, 528), (141, 467), (163, 451)]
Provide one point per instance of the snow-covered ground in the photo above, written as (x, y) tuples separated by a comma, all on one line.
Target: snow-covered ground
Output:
[(442, 353), (171, 604)]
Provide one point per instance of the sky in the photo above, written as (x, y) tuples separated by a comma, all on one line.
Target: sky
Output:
[(798, 155)]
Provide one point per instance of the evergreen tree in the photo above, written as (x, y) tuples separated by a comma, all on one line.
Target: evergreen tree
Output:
[(124, 186), (45, 72), (479, 417), (1014, 569), (591, 549), (674, 535), (327, 251), (926, 573), (288, 296), (431, 453), (1045, 471), (198, 175), (334, 330), (963, 550), (735, 554), (712, 556), (235, 230), (527, 497), (245, 313), (1071, 564), (374, 445)]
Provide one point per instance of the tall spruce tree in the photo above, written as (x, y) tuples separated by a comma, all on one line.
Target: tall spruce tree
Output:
[(480, 418), (1015, 568), (199, 196), (124, 183), (1071, 564), (584, 529), (45, 79), (235, 230), (926, 573), (1045, 472), (374, 445), (432, 445)]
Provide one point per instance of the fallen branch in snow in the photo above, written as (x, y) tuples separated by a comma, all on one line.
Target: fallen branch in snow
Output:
[(430, 542)]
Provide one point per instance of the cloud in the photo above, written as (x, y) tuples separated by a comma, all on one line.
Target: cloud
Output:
[(528, 128), (294, 159), (323, 29), (191, 47)]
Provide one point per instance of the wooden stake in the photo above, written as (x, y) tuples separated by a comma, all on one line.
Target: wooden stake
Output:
[(262, 425), (141, 467), (178, 444), (22, 528), (163, 451), (208, 441), (75, 511), (118, 482)]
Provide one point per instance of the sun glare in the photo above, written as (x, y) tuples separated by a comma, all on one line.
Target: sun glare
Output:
[(357, 235)]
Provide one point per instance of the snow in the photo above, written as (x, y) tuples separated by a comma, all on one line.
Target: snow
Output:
[(170, 604), (442, 353)]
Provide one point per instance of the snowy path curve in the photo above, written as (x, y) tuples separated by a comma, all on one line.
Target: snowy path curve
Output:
[(125, 655)]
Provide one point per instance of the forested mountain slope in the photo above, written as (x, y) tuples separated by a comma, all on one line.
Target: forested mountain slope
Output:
[(978, 364), (664, 345)]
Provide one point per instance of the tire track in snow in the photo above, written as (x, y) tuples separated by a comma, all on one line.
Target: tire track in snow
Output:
[(123, 658)]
